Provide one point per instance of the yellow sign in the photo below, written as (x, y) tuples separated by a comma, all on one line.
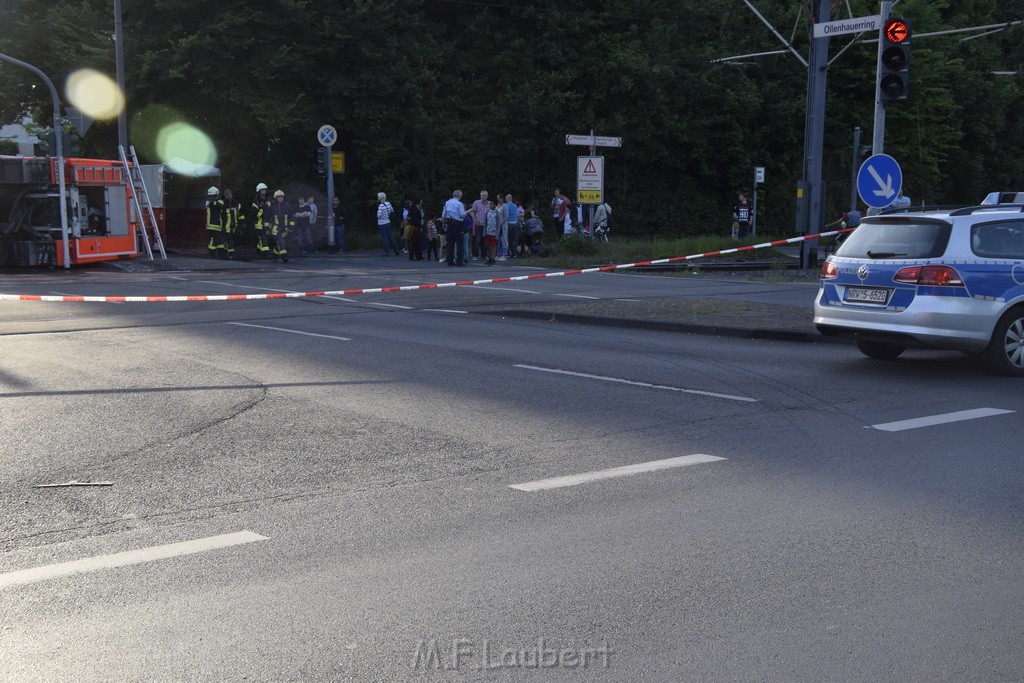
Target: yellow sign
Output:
[(589, 197), (337, 162)]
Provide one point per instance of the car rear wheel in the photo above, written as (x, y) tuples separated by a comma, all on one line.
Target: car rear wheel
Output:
[(1005, 353), (880, 350)]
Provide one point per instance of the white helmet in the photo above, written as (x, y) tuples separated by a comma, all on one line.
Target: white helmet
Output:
[(213, 191), (261, 186)]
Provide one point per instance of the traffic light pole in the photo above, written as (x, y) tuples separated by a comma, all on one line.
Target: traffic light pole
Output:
[(58, 144), (814, 139), (878, 133), (330, 197), (854, 168)]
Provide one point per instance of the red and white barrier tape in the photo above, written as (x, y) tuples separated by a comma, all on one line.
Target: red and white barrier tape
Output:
[(405, 288)]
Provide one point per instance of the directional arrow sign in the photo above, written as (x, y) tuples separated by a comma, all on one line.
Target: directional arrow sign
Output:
[(596, 141), (879, 181)]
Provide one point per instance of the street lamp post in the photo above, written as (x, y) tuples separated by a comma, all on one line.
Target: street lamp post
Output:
[(58, 142)]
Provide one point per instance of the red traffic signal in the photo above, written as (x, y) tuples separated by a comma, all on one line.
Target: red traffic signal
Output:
[(896, 31), (894, 60)]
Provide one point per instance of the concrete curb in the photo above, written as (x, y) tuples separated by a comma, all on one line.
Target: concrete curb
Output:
[(665, 326)]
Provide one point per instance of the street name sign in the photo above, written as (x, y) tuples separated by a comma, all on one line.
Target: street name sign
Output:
[(595, 140), (590, 180), (879, 181), (828, 29)]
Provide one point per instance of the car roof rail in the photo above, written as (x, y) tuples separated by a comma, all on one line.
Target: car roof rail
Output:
[(968, 210), (916, 209)]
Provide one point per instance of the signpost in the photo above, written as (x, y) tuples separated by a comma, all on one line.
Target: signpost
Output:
[(758, 180), (879, 181), (590, 170), (327, 136)]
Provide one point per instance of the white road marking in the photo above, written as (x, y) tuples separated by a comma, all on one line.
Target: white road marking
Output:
[(630, 300), (945, 418), (374, 303), (183, 279), (578, 296), (442, 310), (639, 384), (160, 552), (503, 289), (282, 329), (625, 471)]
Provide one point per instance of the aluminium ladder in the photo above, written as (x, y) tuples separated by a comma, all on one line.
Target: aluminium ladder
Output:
[(142, 204)]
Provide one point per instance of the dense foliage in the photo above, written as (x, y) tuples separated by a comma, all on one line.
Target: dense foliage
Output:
[(429, 95)]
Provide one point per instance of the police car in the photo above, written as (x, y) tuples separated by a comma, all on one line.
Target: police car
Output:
[(941, 278)]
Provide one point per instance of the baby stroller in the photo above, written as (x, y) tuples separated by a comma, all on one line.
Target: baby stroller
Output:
[(534, 235)]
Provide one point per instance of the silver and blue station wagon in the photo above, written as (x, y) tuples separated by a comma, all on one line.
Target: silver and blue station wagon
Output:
[(942, 278)]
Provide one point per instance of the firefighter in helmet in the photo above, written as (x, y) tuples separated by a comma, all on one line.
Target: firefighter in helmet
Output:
[(215, 223), (279, 217), (230, 222), (254, 218)]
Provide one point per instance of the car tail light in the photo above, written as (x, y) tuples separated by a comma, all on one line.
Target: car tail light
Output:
[(933, 276), (828, 271)]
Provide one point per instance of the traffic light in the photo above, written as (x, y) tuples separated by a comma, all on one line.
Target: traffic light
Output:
[(894, 62), (322, 157), (72, 145)]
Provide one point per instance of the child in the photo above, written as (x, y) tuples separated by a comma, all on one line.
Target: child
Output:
[(491, 227), (408, 235), (433, 244)]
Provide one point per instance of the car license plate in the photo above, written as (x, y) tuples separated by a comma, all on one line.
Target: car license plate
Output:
[(862, 295)]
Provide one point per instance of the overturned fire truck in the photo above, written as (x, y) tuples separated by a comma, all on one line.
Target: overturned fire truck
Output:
[(116, 210)]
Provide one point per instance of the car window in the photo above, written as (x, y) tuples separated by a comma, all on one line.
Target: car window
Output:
[(1004, 239), (897, 238)]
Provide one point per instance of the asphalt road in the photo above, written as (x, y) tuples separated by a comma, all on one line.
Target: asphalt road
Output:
[(368, 450)]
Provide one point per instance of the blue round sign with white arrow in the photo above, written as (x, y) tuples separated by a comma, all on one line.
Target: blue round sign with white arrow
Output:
[(879, 181)]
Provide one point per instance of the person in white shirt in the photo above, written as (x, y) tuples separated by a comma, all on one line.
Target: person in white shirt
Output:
[(454, 219), (384, 211)]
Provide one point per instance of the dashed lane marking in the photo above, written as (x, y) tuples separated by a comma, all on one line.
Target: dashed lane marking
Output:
[(160, 552), (404, 308), (282, 329), (505, 289), (625, 471), (945, 418), (647, 385)]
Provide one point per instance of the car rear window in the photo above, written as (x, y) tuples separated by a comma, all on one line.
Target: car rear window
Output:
[(897, 238), (1004, 239)]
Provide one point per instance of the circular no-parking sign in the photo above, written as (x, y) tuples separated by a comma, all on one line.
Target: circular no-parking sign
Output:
[(327, 136)]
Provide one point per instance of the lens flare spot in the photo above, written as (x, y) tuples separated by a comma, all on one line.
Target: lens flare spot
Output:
[(94, 93), (185, 149)]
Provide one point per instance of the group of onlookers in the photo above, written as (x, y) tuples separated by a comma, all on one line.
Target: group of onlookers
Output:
[(491, 229)]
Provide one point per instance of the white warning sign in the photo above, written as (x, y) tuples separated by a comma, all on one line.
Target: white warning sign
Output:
[(590, 180)]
